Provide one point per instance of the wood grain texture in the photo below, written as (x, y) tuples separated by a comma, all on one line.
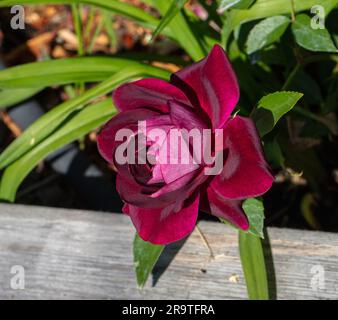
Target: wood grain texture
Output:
[(87, 255)]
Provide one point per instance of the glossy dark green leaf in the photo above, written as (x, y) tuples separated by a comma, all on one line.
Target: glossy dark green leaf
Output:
[(266, 32), (145, 258), (312, 39), (272, 107), (268, 8)]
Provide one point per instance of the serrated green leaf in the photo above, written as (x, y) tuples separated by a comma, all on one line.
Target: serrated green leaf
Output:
[(253, 264), (318, 40), (145, 258), (268, 8), (173, 10), (266, 32), (80, 124), (254, 210), (272, 107)]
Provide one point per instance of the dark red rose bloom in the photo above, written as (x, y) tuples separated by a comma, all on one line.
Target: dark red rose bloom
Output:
[(163, 199)]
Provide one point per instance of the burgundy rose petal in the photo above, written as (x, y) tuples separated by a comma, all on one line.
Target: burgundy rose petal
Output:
[(163, 199), (182, 188), (213, 83), (106, 139), (179, 184), (245, 173), (229, 210), (157, 176), (183, 116), (174, 167), (138, 195), (147, 93), (152, 196), (163, 226)]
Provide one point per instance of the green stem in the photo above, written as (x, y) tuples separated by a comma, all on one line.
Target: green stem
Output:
[(308, 60), (89, 22), (253, 264), (97, 32), (76, 12), (107, 16), (293, 11), (291, 77), (78, 28)]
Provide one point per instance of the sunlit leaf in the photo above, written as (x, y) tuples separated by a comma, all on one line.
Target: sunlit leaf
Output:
[(254, 210), (272, 107), (10, 97), (145, 258), (253, 264), (312, 39), (267, 8), (182, 30), (173, 10), (64, 71), (46, 124), (266, 32), (80, 124), (237, 4)]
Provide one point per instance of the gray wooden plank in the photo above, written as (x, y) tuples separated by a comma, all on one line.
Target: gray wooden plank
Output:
[(70, 254)]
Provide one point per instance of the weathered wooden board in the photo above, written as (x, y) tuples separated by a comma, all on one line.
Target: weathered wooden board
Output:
[(87, 255)]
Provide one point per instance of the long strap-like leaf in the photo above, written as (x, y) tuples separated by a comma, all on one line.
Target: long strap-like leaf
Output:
[(46, 124), (82, 123), (180, 27), (117, 6), (173, 10), (253, 264)]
